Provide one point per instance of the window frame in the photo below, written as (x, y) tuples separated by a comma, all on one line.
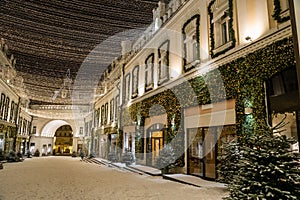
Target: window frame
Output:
[(135, 82), (191, 37), (149, 72), (216, 17), (112, 110), (127, 88), (163, 65)]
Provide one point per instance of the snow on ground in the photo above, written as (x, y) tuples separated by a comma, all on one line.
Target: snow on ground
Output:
[(66, 178)]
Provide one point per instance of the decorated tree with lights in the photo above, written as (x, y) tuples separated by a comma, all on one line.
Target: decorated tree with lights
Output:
[(267, 168), (227, 165)]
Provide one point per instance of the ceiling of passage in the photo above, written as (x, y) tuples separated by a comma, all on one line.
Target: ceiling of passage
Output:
[(61, 40)]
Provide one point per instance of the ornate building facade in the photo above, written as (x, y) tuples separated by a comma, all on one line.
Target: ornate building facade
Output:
[(198, 76), (200, 73)]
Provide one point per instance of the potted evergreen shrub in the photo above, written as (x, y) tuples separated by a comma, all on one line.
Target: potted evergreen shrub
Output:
[(127, 157), (37, 153), (166, 159)]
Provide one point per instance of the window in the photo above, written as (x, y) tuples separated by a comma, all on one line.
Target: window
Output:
[(117, 107), (284, 82), (224, 29), (2, 104), (163, 62), (6, 108), (149, 67), (112, 110), (34, 130), (16, 112), (106, 113), (12, 109), (127, 88), (221, 27), (96, 118), (102, 115), (135, 81), (191, 54)]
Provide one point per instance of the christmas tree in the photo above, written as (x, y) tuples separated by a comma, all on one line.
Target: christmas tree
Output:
[(228, 159), (267, 168)]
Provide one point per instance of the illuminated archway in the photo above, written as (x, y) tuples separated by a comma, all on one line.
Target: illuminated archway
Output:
[(63, 140), (51, 127)]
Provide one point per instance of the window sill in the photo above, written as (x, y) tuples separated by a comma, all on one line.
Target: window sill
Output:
[(148, 87), (134, 95), (191, 65), (223, 47), (163, 80)]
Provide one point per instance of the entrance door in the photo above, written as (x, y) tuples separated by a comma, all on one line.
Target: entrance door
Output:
[(202, 152), (157, 146), (196, 152), (154, 145)]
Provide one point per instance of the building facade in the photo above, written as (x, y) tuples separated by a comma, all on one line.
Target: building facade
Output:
[(200, 74)]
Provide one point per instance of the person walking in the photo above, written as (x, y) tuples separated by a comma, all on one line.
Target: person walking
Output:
[(81, 155)]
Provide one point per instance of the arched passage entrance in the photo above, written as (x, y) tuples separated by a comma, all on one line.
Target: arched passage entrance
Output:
[(63, 140)]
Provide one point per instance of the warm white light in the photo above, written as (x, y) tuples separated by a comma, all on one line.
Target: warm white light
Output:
[(248, 111)]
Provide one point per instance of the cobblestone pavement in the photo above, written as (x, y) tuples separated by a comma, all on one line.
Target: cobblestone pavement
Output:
[(66, 178)]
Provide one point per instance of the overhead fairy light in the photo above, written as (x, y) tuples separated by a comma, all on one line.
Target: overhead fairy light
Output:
[(65, 89), (49, 37)]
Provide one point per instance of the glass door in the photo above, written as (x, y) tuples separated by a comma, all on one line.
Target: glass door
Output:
[(157, 144), (202, 152), (196, 153)]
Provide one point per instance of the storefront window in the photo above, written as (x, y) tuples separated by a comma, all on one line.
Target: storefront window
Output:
[(204, 148)]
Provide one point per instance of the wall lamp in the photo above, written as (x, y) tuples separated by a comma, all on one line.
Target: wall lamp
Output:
[(248, 38), (248, 111)]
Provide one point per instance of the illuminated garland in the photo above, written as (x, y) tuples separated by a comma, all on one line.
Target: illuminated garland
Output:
[(197, 18), (277, 12)]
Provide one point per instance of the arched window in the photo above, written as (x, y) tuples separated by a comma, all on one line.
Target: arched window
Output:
[(6, 108), (135, 81), (191, 37), (163, 62), (149, 67), (102, 115), (112, 110), (2, 105), (127, 88), (12, 109)]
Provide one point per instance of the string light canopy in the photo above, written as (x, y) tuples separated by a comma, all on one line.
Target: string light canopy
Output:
[(49, 38)]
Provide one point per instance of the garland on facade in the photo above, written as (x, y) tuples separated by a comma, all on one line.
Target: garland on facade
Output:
[(277, 11), (243, 80), (230, 26)]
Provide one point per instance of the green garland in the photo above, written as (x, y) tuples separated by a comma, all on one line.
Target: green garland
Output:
[(277, 12), (243, 80), (231, 30)]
